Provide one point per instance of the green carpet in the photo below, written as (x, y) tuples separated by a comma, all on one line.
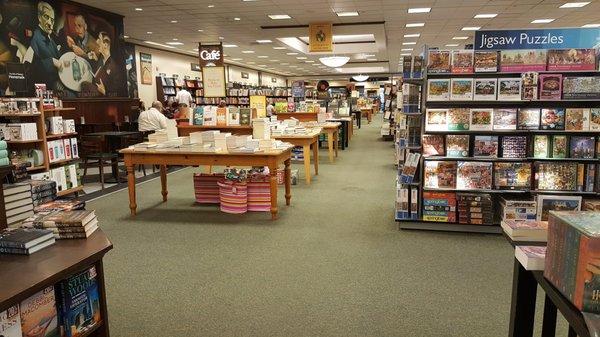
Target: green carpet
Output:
[(334, 264)]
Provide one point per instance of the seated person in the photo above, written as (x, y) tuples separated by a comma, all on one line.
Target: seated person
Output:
[(153, 118)]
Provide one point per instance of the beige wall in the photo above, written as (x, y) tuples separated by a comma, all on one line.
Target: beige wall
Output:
[(235, 75), (267, 79)]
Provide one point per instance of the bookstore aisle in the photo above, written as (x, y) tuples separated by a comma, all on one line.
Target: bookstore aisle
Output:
[(334, 264)]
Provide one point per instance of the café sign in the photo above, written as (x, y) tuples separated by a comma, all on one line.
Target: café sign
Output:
[(211, 55)]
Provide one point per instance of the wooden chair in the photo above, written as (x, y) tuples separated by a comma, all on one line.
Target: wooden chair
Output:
[(92, 152)]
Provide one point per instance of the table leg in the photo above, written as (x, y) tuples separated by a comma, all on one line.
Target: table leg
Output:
[(306, 152), (549, 320), (273, 183), (288, 181), (316, 154), (163, 181), (351, 133), (330, 144), (336, 141), (522, 306), (131, 187), (208, 168)]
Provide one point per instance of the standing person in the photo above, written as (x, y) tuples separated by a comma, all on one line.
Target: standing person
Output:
[(153, 118), (46, 53), (270, 109), (184, 98)]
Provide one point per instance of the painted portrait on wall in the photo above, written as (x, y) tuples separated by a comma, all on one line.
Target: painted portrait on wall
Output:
[(75, 50)]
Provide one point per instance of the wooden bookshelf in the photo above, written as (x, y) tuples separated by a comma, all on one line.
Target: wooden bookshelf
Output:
[(62, 135)]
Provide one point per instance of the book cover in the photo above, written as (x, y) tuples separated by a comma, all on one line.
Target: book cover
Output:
[(575, 87), (509, 89), (550, 86), (556, 176), (438, 90), (595, 119), (80, 303), (559, 146), (577, 119), (571, 59), (552, 119), (512, 175), (462, 61), (23, 237), (582, 147), (505, 119), (457, 145), (458, 119), (69, 218), (438, 61), (198, 116), (523, 60), (10, 322), (540, 146), (528, 119), (485, 89), (436, 120), (38, 314), (222, 116), (233, 116), (486, 61), (433, 145), (474, 175), (440, 174), (406, 66), (209, 116), (461, 89), (481, 119), (485, 146)]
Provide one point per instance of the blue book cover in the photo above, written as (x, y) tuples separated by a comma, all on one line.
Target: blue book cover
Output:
[(80, 303)]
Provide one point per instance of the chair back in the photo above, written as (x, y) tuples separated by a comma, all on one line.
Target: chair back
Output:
[(90, 145)]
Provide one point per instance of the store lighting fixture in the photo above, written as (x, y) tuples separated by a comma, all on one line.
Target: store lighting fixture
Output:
[(291, 53), (485, 16), (264, 41), (419, 10), (574, 4), (200, 30), (591, 25), (230, 46), (452, 45), (334, 61), (237, 59), (236, 19), (251, 62), (173, 21), (339, 70), (406, 49), (408, 43), (279, 16), (405, 54), (542, 21), (171, 43), (175, 39), (360, 78), (139, 9), (221, 38), (460, 38), (301, 57), (159, 44), (125, 36), (417, 24), (309, 61), (471, 28), (372, 60), (284, 64), (412, 35), (279, 48), (346, 13), (211, 6), (262, 56), (247, 51), (274, 60), (148, 32)]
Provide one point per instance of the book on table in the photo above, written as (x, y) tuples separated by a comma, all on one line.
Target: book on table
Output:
[(528, 230), (531, 257)]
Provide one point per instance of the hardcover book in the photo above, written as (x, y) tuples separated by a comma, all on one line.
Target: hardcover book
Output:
[(559, 146), (512, 175), (438, 61), (595, 119), (540, 146), (552, 119), (481, 119), (505, 119), (458, 119), (485, 146), (523, 60), (438, 90), (474, 175), (80, 303), (577, 119), (461, 89), (550, 86), (10, 322), (571, 59), (457, 145), (436, 120), (509, 89), (528, 119), (581, 87), (486, 61), (38, 314), (433, 145), (582, 147), (485, 89), (556, 176), (440, 174), (462, 61)]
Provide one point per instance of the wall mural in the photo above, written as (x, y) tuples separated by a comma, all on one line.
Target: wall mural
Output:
[(130, 67), (75, 50)]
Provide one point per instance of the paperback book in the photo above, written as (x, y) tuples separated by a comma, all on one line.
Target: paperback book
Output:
[(571, 59), (582, 147), (485, 89), (474, 175), (485, 146), (438, 61), (436, 120), (80, 303), (509, 89), (505, 119), (512, 175), (440, 174), (528, 119), (529, 230), (550, 86), (438, 90), (559, 146), (481, 119), (523, 60), (461, 89), (458, 119), (577, 119), (10, 322), (486, 61), (552, 119), (457, 146), (433, 145), (38, 314), (581, 87), (462, 61)]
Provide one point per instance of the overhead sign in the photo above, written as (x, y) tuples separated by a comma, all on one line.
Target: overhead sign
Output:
[(210, 55), (565, 38), (320, 38)]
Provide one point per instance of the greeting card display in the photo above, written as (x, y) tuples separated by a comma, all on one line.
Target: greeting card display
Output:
[(581, 87), (457, 146), (485, 89), (523, 60), (552, 119), (436, 120), (559, 146), (438, 61), (481, 119), (438, 90), (512, 175), (571, 59), (550, 86), (440, 174), (462, 61), (556, 176), (514, 146), (458, 119), (577, 119), (540, 146), (461, 89), (485, 146), (433, 145), (528, 119), (582, 147), (509, 89), (486, 61), (505, 119), (474, 175)]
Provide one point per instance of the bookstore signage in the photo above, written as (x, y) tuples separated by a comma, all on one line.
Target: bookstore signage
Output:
[(211, 55), (537, 39)]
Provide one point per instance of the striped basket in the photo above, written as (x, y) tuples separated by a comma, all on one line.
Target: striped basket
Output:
[(233, 196), (206, 189), (259, 194)]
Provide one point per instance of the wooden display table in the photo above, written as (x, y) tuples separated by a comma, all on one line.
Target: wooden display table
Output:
[(301, 116), (367, 112), (22, 276), (270, 158), (332, 129), (306, 141), (185, 130), (347, 129)]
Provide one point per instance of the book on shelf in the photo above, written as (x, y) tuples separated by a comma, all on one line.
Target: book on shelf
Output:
[(485, 89), (517, 209), (531, 257), (577, 119), (550, 87), (546, 203), (438, 90), (514, 147), (409, 169), (417, 67), (433, 145), (582, 147), (438, 61), (80, 303), (485, 146), (457, 146), (439, 206), (505, 119), (233, 116), (574, 59), (458, 119), (528, 119), (508, 175), (475, 209), (440, 174), (462, 61), (481, 119), (521, 60), (529, 81), (485, 61), (38, 314), (590, 205), (10, 322), (474, 175)]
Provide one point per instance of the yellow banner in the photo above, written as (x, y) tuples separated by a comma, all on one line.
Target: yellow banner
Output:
[(320, 37), (260, 104)]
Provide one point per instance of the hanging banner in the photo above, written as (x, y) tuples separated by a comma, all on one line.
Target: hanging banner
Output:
[(210, 55), (298, 89), (320, 37), (260, 104), (146, 68), (213, 81), (565, 38)]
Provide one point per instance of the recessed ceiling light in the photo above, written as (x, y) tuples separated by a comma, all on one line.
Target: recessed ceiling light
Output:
[(247, 51), (291, 53), (175, 43), (236, 19), (408, 43), (314, 64), (419, 10), (346, 13), (175, 39), (418, 24), (264, 41), (195, 49), (274, 60), (293, 66), (284, 64), (542, 21), (485, 16), (262, 65), (471, 28), (573, 4), (279, 48), (237, 59), (412, 35), (173, 21), (460, 38), (230, 46), (148, 32), (125, 36), (309, 61), (200, 30), (225, 55), (262, 56), (139, 9), (405, 54), (301, 57), (406, 49), (211, 6), (279, 16), (452, 45), (591, 25)]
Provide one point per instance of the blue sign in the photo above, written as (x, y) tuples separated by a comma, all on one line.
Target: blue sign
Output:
[(564, 38), (298, 89)]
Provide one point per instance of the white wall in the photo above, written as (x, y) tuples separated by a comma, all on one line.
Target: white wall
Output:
[(266, 79), (235, 75)]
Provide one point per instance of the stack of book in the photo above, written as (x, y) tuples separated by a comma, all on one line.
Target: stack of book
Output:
[(69, 224), (25, 241), (475, 209), (439, 206), (61, 205), (42, 191), (18, 203), (206, 188), (19, 171), (525, 231), (531, 257), (517, 209)]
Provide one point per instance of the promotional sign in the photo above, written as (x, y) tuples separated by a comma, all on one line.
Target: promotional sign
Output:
[(146, 68), (213, 80), (298, 89), (565, 38), (210, 55), (17, 82), (320, 37), (260, 104)]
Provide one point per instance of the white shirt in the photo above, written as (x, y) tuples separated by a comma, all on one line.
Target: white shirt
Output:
[(152, 120), (184, 97)]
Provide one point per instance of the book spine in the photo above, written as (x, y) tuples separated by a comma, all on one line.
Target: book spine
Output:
[(8, 244), (70, 236), (21, 251)]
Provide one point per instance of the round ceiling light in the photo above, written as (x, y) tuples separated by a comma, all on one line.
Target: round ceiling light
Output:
[(334, 61), (360, 78)]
